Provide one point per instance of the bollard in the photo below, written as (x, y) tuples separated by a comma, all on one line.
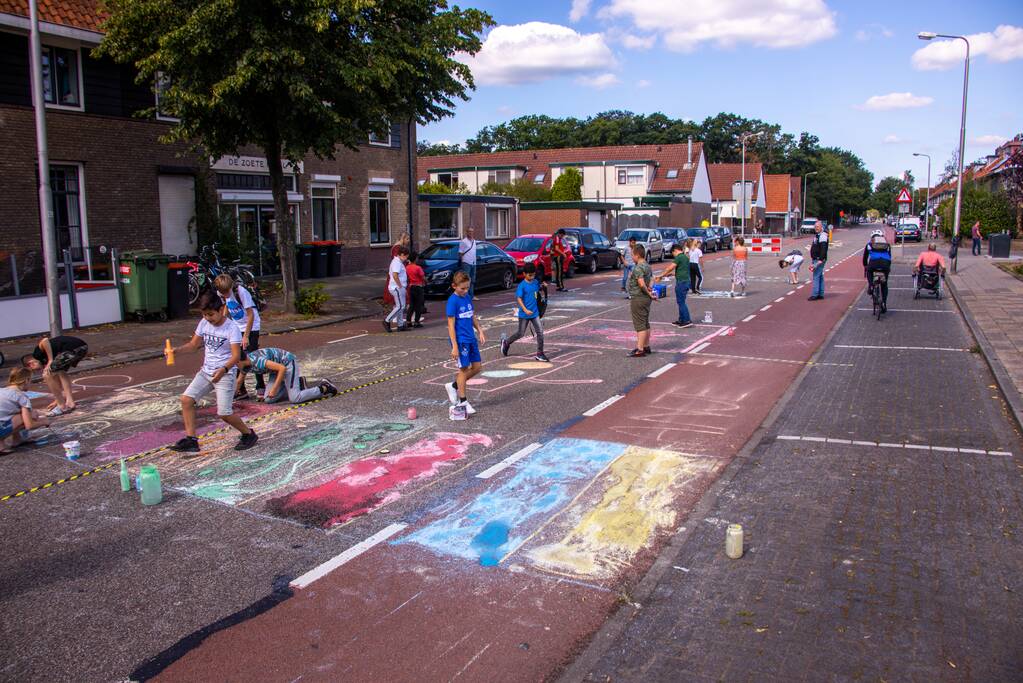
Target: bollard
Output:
[(733, 541)]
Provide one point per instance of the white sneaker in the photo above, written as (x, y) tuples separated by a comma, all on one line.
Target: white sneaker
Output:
[(452, 393), (469, 410)]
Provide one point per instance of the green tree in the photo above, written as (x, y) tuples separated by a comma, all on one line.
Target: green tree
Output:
[(842, 183), (992, 209), (425, 148), (569, 186), (883, 198), (294, 76), (441, 188)]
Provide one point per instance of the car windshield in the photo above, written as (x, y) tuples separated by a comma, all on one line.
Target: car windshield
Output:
[(639, 235), (571, 239), (447, 251), (673, 233), (697, 232), (810, 221), (525, 244)]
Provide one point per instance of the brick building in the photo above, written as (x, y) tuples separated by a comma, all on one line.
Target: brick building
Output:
[(115, 184)]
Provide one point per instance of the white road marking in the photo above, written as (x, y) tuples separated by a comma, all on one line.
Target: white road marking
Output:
[(603, 404), (999, 453), (904, 310), (898, 348), (790, 293), (356, 336), (660, 371), (845, 441), (509, 461), (749, 317), (598, 284), (699, 348), (779, 300), (765, 308), (882, 444), (348, 555)]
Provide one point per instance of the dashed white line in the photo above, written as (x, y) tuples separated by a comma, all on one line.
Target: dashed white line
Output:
[(882, 444), (790, 293), (749, 317), (905, 310), (765, 308), (509, 461), (603, 404), (701, 347), (348, 555), (660, 371), (898, 348), (355, 336), (779, 300)]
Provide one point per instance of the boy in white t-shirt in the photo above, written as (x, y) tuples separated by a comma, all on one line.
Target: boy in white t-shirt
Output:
[(241, 308), (222, 340), (397, 285), (794, 260)]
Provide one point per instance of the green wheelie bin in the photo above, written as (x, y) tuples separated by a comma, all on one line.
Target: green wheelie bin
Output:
[(144, 283)]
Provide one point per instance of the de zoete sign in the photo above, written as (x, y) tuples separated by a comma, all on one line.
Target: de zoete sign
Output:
[(252, 165)]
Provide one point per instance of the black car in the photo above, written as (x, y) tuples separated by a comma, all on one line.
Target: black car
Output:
[(494, 268), (591, 250), (709, 240), (724, 236), (908, 231)]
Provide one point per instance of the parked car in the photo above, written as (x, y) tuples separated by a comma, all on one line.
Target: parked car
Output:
[(724, 236), (648, 238), (672, 236), (709, 240), (591, 250), (535, 249), (494, 267)]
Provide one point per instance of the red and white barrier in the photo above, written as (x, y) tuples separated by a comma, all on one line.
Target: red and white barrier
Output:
[(765, 244)]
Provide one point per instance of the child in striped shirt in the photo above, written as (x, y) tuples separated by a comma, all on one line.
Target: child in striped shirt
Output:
[(287, 379)]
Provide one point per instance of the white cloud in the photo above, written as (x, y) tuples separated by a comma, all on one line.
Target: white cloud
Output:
[(988, 140), (764, 23), (634, 42), (599, 82), (580, 8), (1003, 45), (537, 51), (874, 31), (643, 83), (895, 100), (893, 140)]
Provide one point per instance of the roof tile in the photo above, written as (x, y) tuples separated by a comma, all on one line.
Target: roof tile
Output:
[(777, 189), (724, 176), (83, 14)]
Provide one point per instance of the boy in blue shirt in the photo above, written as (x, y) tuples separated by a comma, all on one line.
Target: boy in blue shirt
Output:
[(463, 331), (527, 296)]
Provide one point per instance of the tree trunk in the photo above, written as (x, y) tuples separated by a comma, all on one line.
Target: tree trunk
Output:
[(285, 227)]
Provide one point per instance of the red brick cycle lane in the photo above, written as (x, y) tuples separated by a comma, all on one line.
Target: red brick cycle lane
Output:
[(507, 575)]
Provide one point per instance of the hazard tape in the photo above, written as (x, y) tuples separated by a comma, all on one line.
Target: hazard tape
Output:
[(216, 432)]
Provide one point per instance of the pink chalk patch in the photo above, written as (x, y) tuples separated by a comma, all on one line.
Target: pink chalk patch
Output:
[(476, 381)]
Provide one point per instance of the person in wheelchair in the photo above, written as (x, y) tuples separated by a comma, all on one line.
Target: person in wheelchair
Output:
[(929, 262), (877, 257)]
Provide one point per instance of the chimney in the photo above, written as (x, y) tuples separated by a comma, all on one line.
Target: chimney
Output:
[(689, 156)]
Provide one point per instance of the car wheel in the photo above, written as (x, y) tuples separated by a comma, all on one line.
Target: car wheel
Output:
[(508, 281), (592, 268), (618, 263)]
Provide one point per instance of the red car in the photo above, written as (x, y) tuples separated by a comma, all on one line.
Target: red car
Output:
[(536, 249)]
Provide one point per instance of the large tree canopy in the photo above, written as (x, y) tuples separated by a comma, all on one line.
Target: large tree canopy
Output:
[(294, 76)]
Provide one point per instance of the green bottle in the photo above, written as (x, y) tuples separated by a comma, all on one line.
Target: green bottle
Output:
[(125, 479)]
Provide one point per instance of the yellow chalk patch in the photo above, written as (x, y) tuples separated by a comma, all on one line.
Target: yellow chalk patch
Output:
[(530, 365), (639, 502)]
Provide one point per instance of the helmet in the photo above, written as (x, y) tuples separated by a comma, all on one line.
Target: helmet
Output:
[(877, 233)]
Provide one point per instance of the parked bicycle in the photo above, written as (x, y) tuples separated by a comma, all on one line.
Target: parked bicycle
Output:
[(208, 267)]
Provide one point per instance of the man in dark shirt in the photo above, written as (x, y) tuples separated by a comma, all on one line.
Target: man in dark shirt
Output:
[(818, 258), (55, 357)]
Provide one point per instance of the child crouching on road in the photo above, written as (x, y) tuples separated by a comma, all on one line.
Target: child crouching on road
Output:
[(466, 335), (287, 379), (222, 340), (794, 259), (16, 412)]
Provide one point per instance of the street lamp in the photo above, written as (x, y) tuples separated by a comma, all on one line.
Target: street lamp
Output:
[(927, 198), (802, 216), (928, 35), (744, 137)]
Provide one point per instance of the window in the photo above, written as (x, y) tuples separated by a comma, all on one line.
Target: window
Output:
[(65, 192), (443, 222), (449, 179), (672, 173), (160, 87), (60, 76), (324, 213), (630, 175), (538, 178), (497, 223), (379, 221), (382, 140), (499, 177), (250, 181)]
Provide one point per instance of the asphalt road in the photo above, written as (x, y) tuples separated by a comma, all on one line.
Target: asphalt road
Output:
[(99, 587)]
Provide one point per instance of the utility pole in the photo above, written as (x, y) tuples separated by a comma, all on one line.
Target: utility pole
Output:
[(927, 197), (802, 216), (43, 157)]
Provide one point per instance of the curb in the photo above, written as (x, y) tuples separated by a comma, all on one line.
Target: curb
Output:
[(615, 625), (1005, 383)]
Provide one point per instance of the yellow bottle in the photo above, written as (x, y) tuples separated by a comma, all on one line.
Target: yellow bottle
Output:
[(168, 351)]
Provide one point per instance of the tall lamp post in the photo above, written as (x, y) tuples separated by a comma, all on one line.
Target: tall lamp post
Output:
[(744, 137), (927, 198), (802, 216), (927, 35)]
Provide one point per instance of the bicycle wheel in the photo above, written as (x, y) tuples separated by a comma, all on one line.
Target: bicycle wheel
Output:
[(194, 289)]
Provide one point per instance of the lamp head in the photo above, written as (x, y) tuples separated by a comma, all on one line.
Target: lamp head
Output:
[(916, 154), (926, 35)]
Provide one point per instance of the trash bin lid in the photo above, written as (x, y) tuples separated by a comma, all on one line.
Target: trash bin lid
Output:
[(145, 255)]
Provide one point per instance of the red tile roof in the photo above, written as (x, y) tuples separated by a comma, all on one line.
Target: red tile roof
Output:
[(724, 176), (667, 157), (777, 189), (84, 14)]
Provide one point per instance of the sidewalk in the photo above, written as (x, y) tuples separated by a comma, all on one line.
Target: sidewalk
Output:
[(351, 296), (992, 301)]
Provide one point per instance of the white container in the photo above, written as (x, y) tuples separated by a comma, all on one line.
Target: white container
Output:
[(72, 449), (733, 541), (708, 317)]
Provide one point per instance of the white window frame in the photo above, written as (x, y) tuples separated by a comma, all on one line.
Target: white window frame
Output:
[(627, 175), (312, 205), (52, 42), (82, 213), (452, 174), (369, 203), (378, 143), (156, 94), (492, 176), (499, 234), (672, 174), (538, 178)]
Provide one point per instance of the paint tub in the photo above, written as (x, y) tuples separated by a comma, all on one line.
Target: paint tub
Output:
[(152, 490), (72, 449), (733, 541), (411, 413), (661, 291)]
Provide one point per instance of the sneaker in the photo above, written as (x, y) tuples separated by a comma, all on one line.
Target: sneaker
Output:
[(246, 441), (327, 388), (452, 393), (387, 326), (676, 323), (542, 358), (636, 353), (457, 413), (188, 444), (686, 324), (56, 412), (646, 350), (404, 328), (469, 410), (504, 345), (417, 324)]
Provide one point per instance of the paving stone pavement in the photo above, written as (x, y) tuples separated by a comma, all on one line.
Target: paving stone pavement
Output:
[(862, 562)]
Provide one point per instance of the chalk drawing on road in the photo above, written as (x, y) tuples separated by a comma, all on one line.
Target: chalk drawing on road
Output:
[(542, 373), (102, 381), (357, 366), (604, 333)]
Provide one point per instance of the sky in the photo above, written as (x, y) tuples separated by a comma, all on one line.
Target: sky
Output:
[(851, 72)]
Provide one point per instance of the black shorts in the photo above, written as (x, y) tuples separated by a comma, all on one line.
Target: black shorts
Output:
[(65, 360)]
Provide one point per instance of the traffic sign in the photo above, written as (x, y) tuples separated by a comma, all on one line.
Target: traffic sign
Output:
[(904, 197)]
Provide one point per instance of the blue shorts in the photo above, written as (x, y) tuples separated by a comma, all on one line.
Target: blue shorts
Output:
[(6, 428), (468, 353)]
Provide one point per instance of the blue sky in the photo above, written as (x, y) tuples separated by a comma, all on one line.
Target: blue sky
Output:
[(809, 65)]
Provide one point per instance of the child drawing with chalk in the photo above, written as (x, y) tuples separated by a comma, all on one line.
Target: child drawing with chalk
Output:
[(466, 335), (287, 381), (55, 356), (222, 340), (16, 414)]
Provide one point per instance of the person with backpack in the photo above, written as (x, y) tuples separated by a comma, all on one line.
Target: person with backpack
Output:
[(242, 310), (877, 258), (528, 298)]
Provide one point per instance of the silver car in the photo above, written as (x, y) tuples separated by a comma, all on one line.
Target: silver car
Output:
[(650, 239)]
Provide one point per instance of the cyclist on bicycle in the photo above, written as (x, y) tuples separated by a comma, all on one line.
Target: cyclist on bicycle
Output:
[(877, 258)]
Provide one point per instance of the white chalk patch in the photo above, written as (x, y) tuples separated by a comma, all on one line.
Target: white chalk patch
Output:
[(882, 444), (152, 381), (765, 308), (354, 336), (509, 461), (864, 443), (977, 451), (701, 347), (603, 404), (660, 371), (348, 555), (749, 317), (898, 348)]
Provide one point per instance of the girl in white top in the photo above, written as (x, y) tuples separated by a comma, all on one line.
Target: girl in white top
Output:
[(695, 272)]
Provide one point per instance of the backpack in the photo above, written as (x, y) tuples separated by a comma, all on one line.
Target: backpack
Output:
[(879, 251), (257, 298)]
